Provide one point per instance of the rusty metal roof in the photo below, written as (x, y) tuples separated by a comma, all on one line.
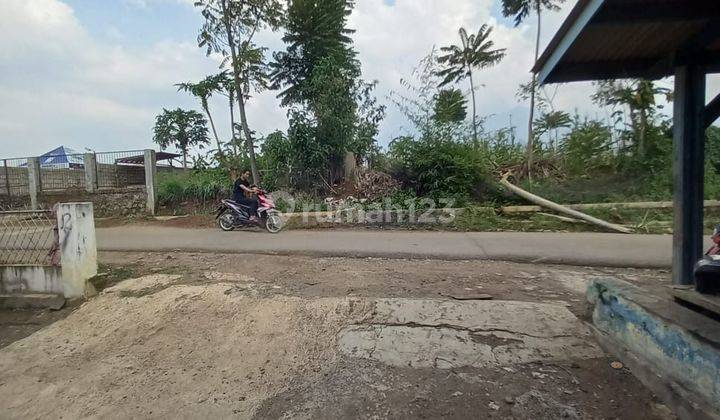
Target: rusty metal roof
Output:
[(140, 159), (612, 39)]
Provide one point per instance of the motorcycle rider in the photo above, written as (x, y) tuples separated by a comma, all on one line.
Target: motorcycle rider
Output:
[(244, 193)]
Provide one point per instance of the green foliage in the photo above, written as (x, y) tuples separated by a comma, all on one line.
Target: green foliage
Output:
[(638, 109), (521, 9), (315, 31), (229, 29), (181, 129), (587, 148), (550, 123), (450, 106), (438, 168), (334, 110), (201, 186), (476, 52), (333, 106)]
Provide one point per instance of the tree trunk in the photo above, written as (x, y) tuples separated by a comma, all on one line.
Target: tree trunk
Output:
[(184, 153), (642, 146), (238, 92), (232, 122), (561, 209), (474, 119), (530, 144), (212, 125)]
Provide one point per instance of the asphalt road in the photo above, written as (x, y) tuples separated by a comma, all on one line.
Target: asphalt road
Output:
[(584, 249)]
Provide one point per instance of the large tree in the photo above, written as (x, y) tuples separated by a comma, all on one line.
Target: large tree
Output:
[(458, 61), (520, 10), (181, 129), (638, 96), (316, 32), (318, 75), (229, 29)]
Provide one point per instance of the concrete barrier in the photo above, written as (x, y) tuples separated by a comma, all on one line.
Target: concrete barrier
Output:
[(74, 259), (673, 350)]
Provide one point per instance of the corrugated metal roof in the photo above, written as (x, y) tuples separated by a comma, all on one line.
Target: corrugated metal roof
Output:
[(604, 39)]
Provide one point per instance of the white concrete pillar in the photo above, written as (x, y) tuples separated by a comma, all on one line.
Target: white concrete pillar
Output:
[(90, 167), (78, 248), (150, 180), (34, 186)]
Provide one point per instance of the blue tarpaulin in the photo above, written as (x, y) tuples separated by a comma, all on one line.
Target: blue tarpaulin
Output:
[(61, 157)]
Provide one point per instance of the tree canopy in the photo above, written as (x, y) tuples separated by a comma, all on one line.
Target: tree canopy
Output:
[(315, 31), (181, 129)]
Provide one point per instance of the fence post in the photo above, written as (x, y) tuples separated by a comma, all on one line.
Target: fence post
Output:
[(150, 180), (78, 248), (7, 177), (34, 185), (89, 162)]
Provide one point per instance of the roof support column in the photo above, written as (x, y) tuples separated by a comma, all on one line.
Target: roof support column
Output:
[(689, 170)]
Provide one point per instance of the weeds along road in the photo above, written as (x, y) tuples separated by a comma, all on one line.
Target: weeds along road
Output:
[(582, 249)]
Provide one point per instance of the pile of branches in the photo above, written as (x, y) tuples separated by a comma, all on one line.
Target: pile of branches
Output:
[(542, 168), (374, 185)]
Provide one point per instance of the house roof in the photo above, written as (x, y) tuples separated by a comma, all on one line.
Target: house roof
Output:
[(613, 39)]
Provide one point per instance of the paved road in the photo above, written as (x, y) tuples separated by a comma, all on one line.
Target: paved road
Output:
[(586, 249)]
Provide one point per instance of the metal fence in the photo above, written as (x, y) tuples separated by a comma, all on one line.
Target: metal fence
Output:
[(120, 169), (62, 172), (14, 177), (28, 238)]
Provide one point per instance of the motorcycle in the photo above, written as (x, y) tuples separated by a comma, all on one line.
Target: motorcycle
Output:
[(707, 270), (232, 215)]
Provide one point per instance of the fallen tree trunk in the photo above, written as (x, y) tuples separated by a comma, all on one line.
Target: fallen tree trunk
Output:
[(645, 205), (561, 209)]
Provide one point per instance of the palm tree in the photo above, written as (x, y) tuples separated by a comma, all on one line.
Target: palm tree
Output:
[(458, 61), (182, 129), (521, 9), (203, 90)]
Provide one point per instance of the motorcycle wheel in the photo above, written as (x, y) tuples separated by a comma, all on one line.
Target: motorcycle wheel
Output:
[(273, 223), (226, 222)]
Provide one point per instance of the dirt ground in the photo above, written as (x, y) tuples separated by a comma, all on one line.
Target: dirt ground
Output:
[(212, 335)]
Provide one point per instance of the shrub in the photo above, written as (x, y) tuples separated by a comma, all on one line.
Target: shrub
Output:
[(438, 168), (587, 148), (197, 185)]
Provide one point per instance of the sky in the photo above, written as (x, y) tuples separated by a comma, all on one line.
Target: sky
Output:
[(93, 74)]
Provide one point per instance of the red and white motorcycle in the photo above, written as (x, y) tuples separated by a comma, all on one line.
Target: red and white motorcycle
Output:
[(232, 215)]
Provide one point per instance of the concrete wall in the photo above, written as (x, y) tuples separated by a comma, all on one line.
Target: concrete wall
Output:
[(107, 203), (129, 201), (30, 279)]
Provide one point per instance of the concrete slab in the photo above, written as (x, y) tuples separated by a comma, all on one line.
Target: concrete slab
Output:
[(449, 334)]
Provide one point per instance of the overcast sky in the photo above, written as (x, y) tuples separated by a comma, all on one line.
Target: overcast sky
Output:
[(92, 74)]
